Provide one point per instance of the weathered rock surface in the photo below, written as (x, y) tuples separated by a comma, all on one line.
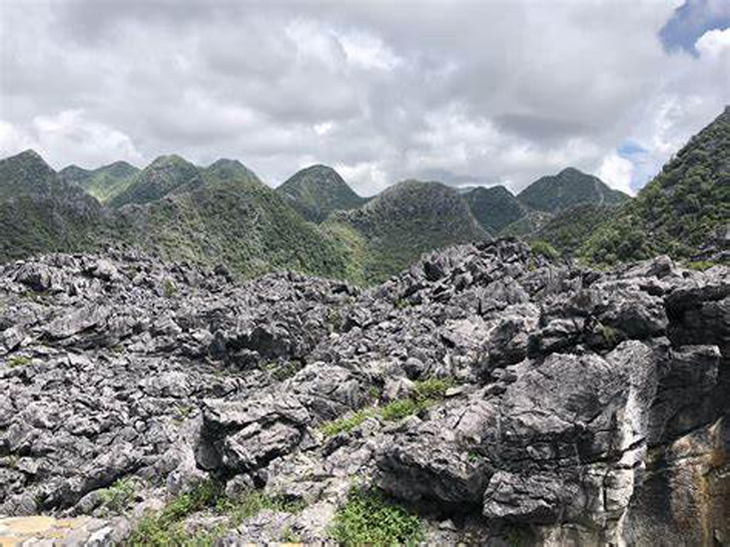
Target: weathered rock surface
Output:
[(588, 408)]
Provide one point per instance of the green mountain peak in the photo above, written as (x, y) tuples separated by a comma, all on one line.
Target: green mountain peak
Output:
[(165, 175), (570, 187), (317, 191)]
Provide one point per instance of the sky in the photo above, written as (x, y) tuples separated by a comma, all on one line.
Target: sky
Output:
[(464, 92)]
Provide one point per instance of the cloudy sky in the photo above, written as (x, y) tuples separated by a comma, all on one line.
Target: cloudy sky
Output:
[(467, 92)]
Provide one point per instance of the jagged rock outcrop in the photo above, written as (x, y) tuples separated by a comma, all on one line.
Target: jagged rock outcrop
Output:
[(577, 407)]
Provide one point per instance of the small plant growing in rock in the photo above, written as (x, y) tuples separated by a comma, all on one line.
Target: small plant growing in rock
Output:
[(370, 518), (284, 371), (432, 388), (700, 265), (375, 392), (169, 288), (164, 527), (426, 393), (289, 537), (118, 496), (400, 408), (184, 412), (19, 361), (609, 334), (252, 503), (474, 456), (345, 425), (401, 304)]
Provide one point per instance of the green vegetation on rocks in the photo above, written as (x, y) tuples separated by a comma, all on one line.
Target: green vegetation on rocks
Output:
[(425, 394), (345, 425), (368, 517), (165, 527), (679, 210), (568, 230), (118, 496)]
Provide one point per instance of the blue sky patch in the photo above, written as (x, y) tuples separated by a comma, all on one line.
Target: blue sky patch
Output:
[(692, 20), (629, 149)]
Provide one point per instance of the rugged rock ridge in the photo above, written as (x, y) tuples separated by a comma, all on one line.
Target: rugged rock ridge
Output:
[(585, 407)]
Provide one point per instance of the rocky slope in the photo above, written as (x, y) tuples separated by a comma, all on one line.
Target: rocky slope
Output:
[(317, 191), (568, 188), (489, 393)]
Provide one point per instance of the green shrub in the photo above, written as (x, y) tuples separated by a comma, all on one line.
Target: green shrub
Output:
[(543, 248), (118, 496), (165, 527), (369, 518)]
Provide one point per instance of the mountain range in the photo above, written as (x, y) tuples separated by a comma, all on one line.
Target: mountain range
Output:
[(314, 222)]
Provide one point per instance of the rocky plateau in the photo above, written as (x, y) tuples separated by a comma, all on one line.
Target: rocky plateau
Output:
[(571, 406)]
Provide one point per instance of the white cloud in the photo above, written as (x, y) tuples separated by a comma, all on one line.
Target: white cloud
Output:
[(714, 43), (71, 133), (368, 51), (493, 91), (13, 141), (617, 172)]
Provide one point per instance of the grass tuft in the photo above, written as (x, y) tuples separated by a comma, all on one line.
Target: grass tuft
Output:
[(345, 425)]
